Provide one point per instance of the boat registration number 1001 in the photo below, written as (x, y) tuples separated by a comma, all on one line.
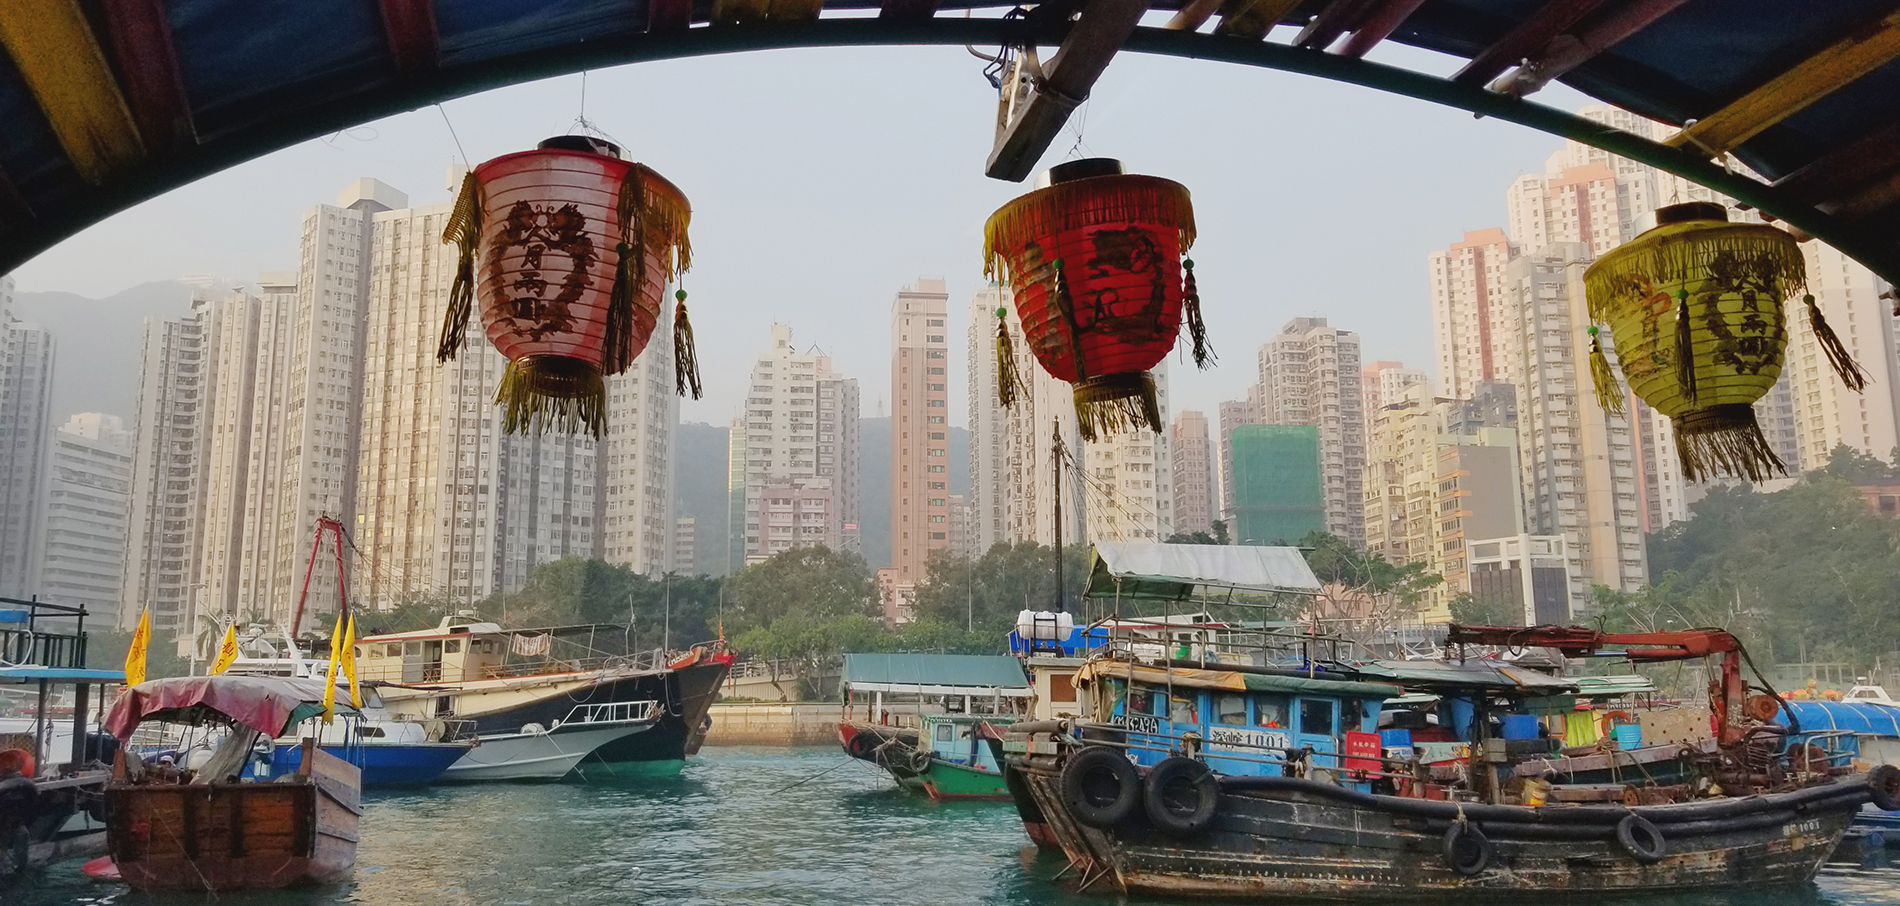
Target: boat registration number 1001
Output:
[(1228, 737)]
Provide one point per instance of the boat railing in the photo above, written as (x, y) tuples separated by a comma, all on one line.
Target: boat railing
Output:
[(632, 662), (613, 713), (1093, 733), (44, 637)]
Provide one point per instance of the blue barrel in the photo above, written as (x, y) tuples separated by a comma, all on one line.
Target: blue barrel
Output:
[(1629, 736), (1393, 738), (1520, 726)]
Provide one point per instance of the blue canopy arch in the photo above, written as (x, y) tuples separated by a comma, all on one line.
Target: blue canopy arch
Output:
[(106, 103)]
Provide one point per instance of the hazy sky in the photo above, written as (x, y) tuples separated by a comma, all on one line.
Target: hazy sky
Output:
[(824, 180)]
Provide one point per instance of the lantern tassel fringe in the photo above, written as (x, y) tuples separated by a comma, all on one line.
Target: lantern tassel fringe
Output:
[(1609, 392), (1685, 347), (1081, 204), (1725, 440), (630, 273), (1115, 403), (538, 395), (462, 229), (1633, 273), (685, 354), (1191, 312), (1009, 381), (1837, 355)]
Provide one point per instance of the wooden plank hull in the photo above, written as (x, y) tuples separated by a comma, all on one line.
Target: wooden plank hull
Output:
[(295, 831), (1281, 844)]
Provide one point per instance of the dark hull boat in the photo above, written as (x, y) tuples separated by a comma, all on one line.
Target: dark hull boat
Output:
[(1286, 838)]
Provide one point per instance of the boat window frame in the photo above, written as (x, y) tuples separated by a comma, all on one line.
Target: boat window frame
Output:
[(1220, 716), (1286, 712), (1332, 716)]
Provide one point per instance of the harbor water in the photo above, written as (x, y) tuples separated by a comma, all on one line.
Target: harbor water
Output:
[(736, 825)]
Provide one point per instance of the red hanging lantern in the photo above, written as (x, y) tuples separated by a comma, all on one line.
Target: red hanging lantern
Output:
[(1095, 260), (576, 248)]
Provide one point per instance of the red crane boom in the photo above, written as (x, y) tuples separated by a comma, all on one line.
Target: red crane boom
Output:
[(1727, 698)]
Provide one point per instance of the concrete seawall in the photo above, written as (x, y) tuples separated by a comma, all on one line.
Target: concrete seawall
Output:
[(795, 724)]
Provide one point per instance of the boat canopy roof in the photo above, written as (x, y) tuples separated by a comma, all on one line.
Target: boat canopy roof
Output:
[(1612, 686), (1231, 680), (36, 674), (1427, 676), (268, 704), (936, 674), (1867, 718), (1171, 572)]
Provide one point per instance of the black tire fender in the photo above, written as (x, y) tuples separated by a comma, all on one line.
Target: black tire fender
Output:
[(1641, 839), (1883, 787), (861, 746), (1181, 795), (1100, 787), (1467, 850)]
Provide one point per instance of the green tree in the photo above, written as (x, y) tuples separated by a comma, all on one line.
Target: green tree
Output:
[(1467, 610), (984, 595), (807, 582), (1219, 536), (1366, 587), (1850, 464), (794, 644), (106, 649)]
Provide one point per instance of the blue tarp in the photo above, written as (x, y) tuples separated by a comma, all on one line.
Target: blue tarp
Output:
[(1863, 718), (59, 675)]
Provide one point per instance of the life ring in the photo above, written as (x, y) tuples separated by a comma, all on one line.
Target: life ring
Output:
[(1100, 787), (1180, 795), (1883, 785), (1640, 839), (1606, 725), (1467, 850)]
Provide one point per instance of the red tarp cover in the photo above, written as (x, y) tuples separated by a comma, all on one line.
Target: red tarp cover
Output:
[(268, 704)]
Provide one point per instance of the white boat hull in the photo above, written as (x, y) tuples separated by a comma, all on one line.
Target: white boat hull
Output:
[(536, 756)]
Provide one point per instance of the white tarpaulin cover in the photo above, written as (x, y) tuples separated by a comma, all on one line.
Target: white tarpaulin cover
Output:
[(1172, 571)]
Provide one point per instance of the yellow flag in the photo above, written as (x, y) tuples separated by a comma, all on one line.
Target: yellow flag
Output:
[(329, 684), (227, 651), (349, 662), (135, 655)]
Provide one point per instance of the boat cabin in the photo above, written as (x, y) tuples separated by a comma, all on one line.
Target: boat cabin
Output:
[(1241, 722), (455, 651), (901, 689), (959, 738)]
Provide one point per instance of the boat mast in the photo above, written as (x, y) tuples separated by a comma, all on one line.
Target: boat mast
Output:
[(1055, 459)]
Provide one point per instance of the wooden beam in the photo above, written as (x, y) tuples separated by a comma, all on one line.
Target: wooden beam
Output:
[(1193, 14), (1100, 31), (669, 15), (1379, 24), (1567, 52), (1842, 169), (53, 47), (908, 9), (15, 214), (141, 39), (1335, 19), (1846, 60), (409, 26), (1530, 36), (1254, 18)]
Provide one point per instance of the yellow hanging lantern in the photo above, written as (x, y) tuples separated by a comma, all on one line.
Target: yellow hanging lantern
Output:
[(1697, 307)]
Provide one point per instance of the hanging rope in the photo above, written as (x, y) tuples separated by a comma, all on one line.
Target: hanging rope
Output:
[(1837, 355)]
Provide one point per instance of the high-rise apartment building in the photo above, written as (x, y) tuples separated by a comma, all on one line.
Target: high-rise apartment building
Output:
[(1382, 384), (633, 524), (229, 399), (920, 426), (736, 476), (1128, 491), (1579, 462), (26, 395), (1470, 325), (800, 437), (258, 578), (164, 536), (989, 423), (1042, 419), (1309, 375), (82, 560), (1827, 413), (1279, 485), (1193, 480), (686, 546), (1232, 414)]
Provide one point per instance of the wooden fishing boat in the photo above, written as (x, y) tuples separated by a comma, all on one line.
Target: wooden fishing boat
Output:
[(929, 719), (1224, 782), (206, 829)]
